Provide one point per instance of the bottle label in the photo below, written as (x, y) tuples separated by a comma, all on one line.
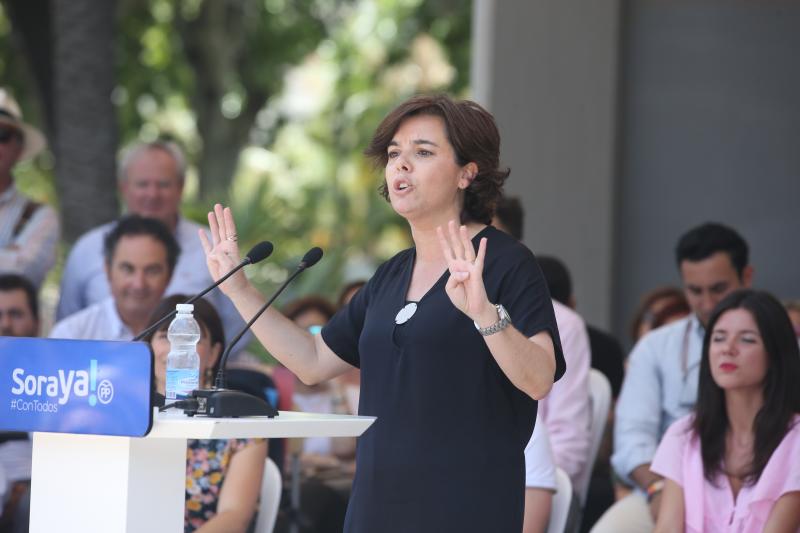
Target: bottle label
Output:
[(181, 382)]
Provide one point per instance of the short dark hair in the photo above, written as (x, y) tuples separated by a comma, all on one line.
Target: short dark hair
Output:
[(511, 215), (133, 225), (557, 277), (704, 241), (781, 394), (352, 287), (13, 282), (472, 133), (203, 312), (297, 307)]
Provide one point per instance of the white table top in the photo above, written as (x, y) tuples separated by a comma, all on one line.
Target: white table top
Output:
[(286, 424)]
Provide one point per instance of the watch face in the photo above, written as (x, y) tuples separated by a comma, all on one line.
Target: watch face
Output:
[(502, 313)]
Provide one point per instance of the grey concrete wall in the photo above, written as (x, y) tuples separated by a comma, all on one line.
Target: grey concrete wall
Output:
[(707, 128), (710, 130), (547, 71)]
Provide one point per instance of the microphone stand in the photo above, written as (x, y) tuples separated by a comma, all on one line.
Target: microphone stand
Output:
[(220, 402), (257, 253), (152, 327)]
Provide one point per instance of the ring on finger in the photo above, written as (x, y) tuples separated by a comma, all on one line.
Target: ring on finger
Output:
[(232, 238)]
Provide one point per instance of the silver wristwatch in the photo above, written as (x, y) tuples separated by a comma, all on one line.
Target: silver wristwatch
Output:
[(503, 321)]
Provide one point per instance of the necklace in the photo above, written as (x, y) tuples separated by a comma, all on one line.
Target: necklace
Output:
[(405, 314)]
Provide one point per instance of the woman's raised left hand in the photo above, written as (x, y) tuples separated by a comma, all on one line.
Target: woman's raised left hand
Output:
[(222, 252), (465, 286)]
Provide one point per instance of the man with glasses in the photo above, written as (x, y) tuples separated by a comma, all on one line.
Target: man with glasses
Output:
[(661, 384), (29, 231)]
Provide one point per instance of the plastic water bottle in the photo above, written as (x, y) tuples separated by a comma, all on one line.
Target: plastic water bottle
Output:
[(183, 363)]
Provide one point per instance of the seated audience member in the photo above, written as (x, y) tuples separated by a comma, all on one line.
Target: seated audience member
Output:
[(223, 476), (348, 291), (607, 355), (151, 179), (658, 308), (608, 358), (661, 383), (29, 231), (566, 409), (793, 309), (140, 256), (328, 464), (733, 463), (313, 312), (19, 317), (540, 480)]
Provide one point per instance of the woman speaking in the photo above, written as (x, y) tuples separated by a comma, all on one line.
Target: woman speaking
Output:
[(455, 337)]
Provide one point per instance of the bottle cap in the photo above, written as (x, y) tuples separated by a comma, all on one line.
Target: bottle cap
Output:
[(184, 308)]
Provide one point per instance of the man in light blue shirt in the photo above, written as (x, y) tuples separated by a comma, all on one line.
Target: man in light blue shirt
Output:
[(661, 383), (151, 180)]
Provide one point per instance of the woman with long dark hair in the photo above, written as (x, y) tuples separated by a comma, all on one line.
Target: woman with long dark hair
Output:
[(734, 464), (455, 338)]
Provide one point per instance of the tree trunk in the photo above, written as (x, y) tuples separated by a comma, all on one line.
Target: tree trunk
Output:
[(214, 43), (31, 21), (85, 119)]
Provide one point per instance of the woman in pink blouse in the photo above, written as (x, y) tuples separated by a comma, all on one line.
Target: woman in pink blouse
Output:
[(734, 464)]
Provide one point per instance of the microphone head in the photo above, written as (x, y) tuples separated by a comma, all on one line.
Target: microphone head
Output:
[(259, 252), (311, 258)]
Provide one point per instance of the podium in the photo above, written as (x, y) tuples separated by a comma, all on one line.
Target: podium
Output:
[(105, 484)]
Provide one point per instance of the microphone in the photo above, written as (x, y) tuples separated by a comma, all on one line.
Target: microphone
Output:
[(257, 253), (219, 402)]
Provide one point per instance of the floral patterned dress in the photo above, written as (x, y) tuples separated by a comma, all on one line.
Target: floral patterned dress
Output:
[(207, 463)]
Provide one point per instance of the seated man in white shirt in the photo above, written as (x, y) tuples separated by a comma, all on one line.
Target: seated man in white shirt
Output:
[(19, 317), (151, 179), (540, 480), (140, 256), (566, 410)]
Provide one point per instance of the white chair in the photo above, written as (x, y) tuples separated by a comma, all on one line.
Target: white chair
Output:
[(559, 511), (271, 486), (600, 397)]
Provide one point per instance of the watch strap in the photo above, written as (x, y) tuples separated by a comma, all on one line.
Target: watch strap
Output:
[(502, 323)]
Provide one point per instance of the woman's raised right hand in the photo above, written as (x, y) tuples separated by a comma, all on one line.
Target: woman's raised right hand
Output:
[(222, 253)]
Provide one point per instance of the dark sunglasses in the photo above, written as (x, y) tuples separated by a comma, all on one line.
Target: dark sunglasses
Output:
[(6, 134)]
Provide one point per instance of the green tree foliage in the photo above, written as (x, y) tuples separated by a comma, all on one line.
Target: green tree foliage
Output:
[(307, 181), (274, 101), (314, 79), (34, 178), (212, 65)]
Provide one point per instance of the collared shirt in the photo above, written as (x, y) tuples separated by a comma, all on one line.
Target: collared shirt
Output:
[(660, 387), (32, 252), (84, 280), (540, 465), (567, 408), (99, 322)]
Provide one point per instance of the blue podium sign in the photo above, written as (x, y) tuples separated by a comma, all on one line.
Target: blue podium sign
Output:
[(76, 386)]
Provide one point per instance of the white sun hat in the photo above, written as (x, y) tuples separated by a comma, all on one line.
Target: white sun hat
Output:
[(11, 115)]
